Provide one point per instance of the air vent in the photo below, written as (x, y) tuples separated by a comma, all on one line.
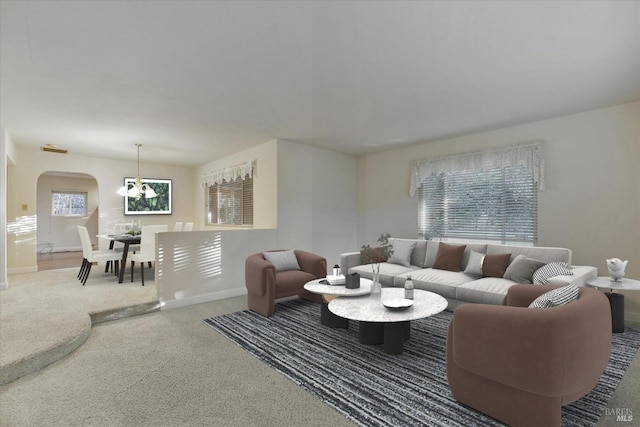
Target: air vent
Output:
[(53, 150)]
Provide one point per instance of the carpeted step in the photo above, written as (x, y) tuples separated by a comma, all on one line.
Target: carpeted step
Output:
[(68, 332)]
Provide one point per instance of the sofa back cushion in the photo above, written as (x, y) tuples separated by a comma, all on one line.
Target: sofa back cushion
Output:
[(541, 253)]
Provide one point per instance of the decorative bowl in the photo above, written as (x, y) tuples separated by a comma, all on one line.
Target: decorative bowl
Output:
[(397, 303)]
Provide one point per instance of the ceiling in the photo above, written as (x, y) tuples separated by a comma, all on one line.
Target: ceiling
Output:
[(198, 80)]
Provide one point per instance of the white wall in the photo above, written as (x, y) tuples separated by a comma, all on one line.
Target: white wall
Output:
[(31, 163), (591, 204), (61, 232), (7, 158), (309, 194), (317, 200)]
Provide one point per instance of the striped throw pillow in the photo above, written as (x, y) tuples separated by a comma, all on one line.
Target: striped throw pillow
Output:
[(553, 269), (556, 297)]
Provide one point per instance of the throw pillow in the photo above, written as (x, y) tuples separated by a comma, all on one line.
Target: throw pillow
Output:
[(556, 297), (474, 266), (402, 250), (449, 257), (282, 260), (544, 273), (522, 268), (495, 265)]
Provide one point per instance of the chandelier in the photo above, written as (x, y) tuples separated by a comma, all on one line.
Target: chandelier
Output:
[(137, 189)]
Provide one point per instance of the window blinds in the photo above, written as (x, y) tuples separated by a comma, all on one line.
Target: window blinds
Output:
[(231, 202), (488, 201)]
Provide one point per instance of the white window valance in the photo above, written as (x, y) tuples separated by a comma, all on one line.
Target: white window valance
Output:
[(530, 155), (228, 174)]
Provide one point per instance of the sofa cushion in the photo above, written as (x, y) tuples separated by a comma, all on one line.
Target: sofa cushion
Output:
[(290, 281), (432, 251), (282, 260), (488, 290), (387, 272), (442, 282), (402, 251), (544, 273), (556, 297), (449, 257), (495, 265), (474, 266), (522, 268)]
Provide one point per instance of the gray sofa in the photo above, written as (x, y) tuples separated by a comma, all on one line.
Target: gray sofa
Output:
[(459, 286)]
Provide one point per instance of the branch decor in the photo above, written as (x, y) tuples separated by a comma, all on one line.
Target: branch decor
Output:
[(376, 255)]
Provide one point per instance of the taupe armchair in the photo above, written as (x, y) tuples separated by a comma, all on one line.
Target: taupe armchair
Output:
[(521, 365), (265, 285)]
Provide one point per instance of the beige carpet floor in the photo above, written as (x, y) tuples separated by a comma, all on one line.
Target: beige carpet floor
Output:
[(45, 315), (167, 368)]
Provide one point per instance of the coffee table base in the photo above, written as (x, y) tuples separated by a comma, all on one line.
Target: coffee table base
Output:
[(327, 318), (391, 334)]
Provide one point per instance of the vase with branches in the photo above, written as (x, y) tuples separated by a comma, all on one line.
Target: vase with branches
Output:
[(375, 256)]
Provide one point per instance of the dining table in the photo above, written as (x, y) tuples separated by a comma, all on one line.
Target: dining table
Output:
[(127, 240)]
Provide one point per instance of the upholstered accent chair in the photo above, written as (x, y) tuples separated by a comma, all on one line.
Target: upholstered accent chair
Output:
[(265, 283), (520, 365)]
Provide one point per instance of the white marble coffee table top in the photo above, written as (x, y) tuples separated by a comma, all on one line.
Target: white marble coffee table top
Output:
[(370, 309), (339, 290), (606, 282)]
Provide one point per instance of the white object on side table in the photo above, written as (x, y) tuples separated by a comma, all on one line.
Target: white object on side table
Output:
[(616, 268)]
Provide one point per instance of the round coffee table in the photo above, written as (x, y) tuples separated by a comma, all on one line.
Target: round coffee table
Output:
[(616, 300), (326, 317), (380, 325)]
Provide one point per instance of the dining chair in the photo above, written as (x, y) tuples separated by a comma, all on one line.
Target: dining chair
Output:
[(177, 226), (90, 256), (188, 226), (147, 251)]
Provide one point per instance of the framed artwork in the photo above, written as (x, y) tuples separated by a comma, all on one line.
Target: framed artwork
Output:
[(159, 205)]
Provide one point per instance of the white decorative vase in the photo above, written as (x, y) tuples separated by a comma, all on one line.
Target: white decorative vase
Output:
[(616, 269), (376, 288)]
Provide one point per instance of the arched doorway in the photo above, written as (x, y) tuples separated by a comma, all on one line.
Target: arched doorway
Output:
[(64, 201)]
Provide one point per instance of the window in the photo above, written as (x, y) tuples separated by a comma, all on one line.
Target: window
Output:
[(68, 203), (230, 202), (492, 200)]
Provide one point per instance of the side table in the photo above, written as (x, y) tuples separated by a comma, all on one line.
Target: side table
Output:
[(616, 300)]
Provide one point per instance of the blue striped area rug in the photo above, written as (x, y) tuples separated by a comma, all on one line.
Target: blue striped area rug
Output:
[(373, 388)]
